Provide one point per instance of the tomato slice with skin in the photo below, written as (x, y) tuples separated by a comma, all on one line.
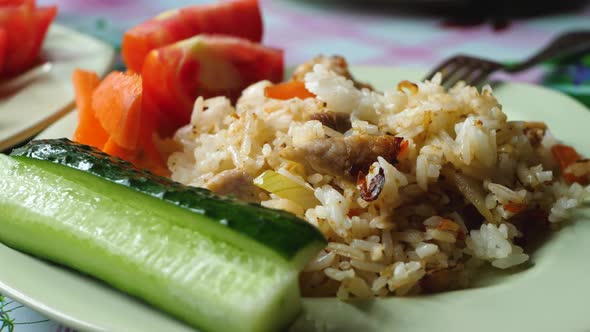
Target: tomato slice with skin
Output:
[(43, 17), (206, 65), (25, 26), (2, 48), (16, 3), (239, 18), (18, 23)]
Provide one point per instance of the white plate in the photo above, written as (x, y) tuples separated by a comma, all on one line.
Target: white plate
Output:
[(551, 295), (49, 96)]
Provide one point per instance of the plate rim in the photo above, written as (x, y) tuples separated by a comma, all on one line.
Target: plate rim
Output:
[(42, 123)]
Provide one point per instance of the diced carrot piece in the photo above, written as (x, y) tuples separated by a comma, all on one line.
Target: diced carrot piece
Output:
[(514, 207), (354, 212), (403, 149), (89, 130), (571, 178), (565, 155), (288, 90), (118, 104), (448, 225)]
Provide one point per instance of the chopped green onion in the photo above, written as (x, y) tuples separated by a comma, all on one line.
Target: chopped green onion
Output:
[(287, 188), (293, 167)]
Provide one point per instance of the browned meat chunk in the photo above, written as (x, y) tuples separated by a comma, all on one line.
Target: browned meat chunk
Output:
[(535, 131), (236, 183), (345, 155), (336, 120), (334, 63)]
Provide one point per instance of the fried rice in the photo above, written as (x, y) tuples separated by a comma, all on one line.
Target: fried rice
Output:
[(415, 188)]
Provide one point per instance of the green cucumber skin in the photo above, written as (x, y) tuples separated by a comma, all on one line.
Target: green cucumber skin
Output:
[(280, 231), (99, 228)]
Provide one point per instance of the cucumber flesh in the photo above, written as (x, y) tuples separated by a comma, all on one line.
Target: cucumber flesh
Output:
[(84, 222), (248, 226)]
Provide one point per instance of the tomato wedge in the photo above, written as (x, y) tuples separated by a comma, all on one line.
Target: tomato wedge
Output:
[(6, 3), (240, 18), (43, 17), (17, 21), (16, 3), (175, 75), (25, 26), (2, 48)]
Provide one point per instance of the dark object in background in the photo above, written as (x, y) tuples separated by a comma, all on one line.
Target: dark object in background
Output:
[(512, 8), (458, 13), (499, 12)]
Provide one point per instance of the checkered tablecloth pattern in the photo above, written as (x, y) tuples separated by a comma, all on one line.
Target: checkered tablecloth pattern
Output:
[(372, 35)]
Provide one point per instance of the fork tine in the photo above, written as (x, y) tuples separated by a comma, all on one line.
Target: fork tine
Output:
[(450, 71), (478, 76), (465, 69), (442, 67)]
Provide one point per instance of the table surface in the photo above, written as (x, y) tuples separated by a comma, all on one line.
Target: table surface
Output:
[(378, 34)]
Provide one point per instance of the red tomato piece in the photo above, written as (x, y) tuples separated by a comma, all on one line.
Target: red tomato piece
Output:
[(43, 17), (175, 75), (17, 21), (25, 26), (448, 225), (240, 18), (514, 207), (2, 48), (17, 3)]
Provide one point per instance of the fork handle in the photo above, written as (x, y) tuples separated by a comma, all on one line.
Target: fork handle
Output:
[(566, 44)]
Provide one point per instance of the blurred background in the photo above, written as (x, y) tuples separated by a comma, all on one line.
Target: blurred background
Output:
[(408, 33)]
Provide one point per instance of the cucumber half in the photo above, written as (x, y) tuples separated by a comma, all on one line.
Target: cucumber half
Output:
[(273, 232), (161, 252)]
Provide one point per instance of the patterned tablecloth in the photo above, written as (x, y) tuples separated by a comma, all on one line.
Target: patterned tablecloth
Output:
[(375, 35)]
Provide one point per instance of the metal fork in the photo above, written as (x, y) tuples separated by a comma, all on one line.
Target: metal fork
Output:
[(474, 71)]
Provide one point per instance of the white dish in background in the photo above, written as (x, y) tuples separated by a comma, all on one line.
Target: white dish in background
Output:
[(48, 95)]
